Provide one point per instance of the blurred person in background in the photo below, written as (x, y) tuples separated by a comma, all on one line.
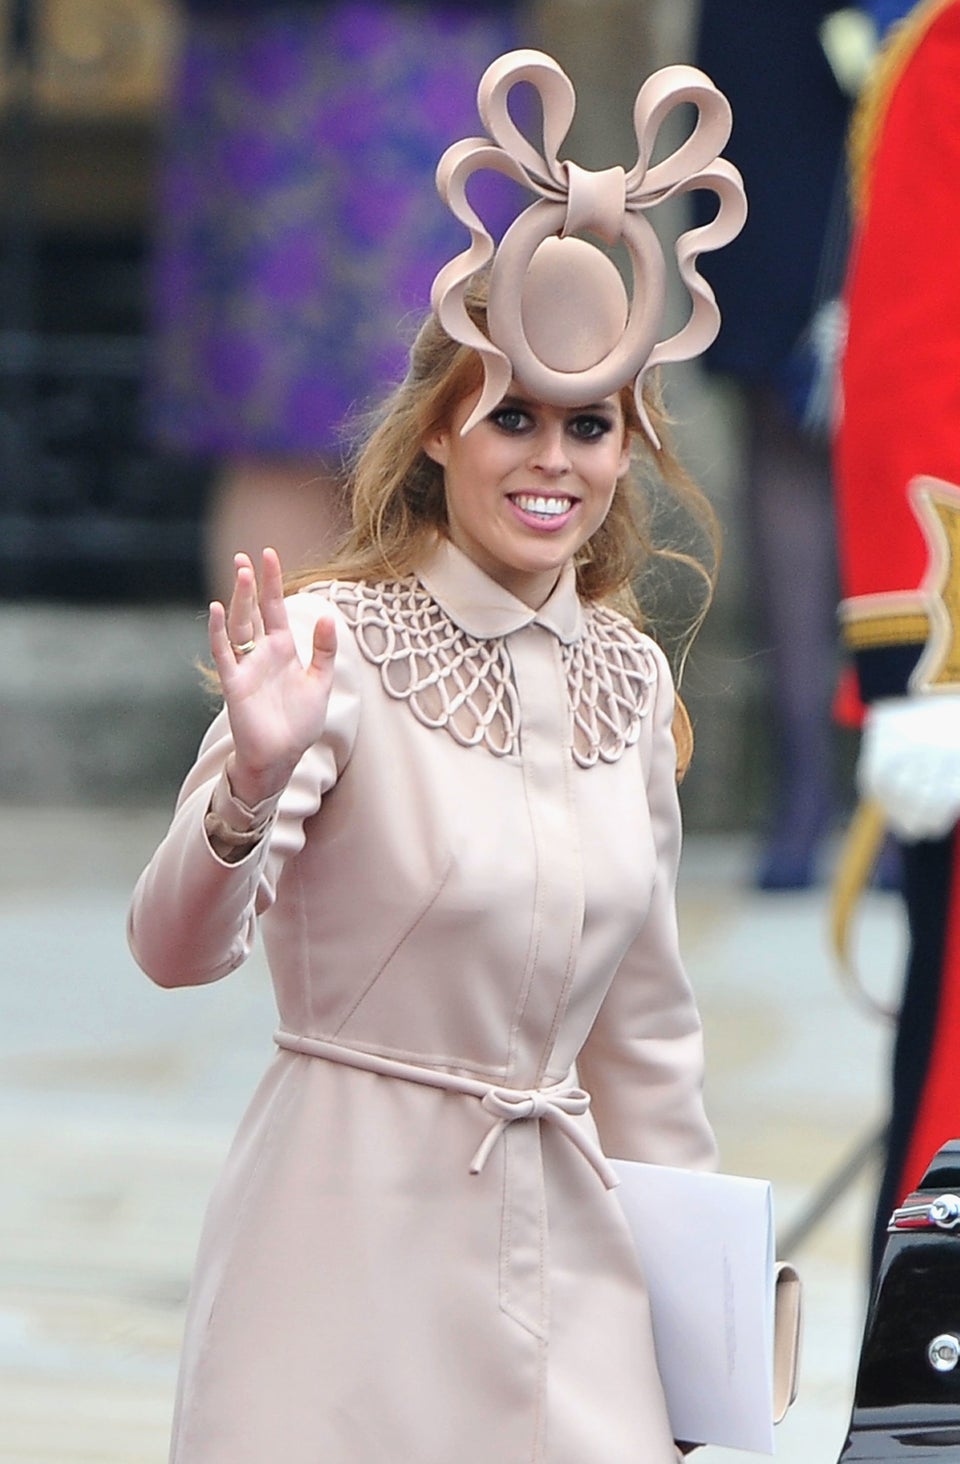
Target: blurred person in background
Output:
[(777, 282), (898, 485), (296, 228)]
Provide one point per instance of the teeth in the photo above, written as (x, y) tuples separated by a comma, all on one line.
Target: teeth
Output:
[(548, 507)]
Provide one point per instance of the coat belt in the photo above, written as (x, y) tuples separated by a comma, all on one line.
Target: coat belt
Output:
[(559, 1103)]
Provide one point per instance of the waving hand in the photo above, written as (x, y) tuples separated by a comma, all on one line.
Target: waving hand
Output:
[(276, 705)]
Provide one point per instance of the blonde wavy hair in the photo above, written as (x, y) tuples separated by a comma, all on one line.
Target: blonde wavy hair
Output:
[(399, 505)]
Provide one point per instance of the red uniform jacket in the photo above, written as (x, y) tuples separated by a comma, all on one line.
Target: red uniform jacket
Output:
[(898, 447)]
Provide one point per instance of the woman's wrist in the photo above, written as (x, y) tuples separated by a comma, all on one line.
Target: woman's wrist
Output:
[(235, 821), (230, 844), (252, 787)]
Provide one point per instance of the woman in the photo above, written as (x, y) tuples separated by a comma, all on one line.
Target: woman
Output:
[(443, 783)]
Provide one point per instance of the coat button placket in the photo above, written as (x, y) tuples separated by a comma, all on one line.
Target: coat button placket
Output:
[(555, 929)]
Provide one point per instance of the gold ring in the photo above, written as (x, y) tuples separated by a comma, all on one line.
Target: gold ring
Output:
[(244, 649)]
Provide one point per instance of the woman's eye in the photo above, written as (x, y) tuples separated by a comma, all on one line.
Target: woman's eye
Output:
[(589, 426), (510, 419)]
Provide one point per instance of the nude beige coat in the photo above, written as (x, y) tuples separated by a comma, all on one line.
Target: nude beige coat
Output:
[(472, 873)]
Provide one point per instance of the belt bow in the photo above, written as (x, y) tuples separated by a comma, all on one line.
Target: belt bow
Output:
[(559, 1105)]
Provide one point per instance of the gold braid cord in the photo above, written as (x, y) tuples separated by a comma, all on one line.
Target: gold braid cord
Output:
[(856, 862), (929, 616), (903, 39)]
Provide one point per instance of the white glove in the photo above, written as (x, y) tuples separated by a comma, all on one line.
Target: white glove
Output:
[(910, 763)]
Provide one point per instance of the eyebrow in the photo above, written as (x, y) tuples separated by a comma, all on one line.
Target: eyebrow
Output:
[(515, 400)]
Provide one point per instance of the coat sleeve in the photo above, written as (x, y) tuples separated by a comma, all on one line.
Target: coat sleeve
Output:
[(643, 1060), (193, 915)]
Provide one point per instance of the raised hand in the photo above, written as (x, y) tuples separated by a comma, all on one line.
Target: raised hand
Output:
[(276, 705)]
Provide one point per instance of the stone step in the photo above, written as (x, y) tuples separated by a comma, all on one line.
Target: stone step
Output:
[(99, 705)]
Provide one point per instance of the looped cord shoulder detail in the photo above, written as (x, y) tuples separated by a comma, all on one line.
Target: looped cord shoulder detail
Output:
[(464, 685), (449, 679), (611, 674)]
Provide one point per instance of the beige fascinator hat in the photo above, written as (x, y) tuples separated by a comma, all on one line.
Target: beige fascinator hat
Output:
[(559, 319)]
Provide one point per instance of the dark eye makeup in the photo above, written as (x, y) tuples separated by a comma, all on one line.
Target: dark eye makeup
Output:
[(586, 426), (589, 426), (510, 418)]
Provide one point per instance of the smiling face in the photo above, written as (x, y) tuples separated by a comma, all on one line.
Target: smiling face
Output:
[(529, 485)]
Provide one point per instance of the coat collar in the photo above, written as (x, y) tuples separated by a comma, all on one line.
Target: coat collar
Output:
[(481, 607)]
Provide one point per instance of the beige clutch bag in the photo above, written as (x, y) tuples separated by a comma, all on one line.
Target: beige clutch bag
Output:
[(787, 1330), (726, 1315)]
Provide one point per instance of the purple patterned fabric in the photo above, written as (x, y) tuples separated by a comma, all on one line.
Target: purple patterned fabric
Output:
[(298, 225)]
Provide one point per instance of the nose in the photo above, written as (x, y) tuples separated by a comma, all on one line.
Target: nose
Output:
[(550, 452)]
